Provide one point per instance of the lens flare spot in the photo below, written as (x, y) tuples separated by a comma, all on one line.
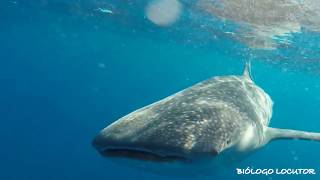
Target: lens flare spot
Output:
[(163, 12)]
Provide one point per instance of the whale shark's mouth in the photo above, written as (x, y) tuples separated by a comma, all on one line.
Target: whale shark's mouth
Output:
[(141, 155)]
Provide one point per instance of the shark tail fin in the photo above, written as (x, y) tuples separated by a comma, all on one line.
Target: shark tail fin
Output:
[(276, 134), (247, 70)]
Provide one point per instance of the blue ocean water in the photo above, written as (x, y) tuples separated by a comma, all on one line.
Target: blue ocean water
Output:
[(67, 71)]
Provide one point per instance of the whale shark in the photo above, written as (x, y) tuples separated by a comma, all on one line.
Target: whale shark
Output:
[(212, 124)]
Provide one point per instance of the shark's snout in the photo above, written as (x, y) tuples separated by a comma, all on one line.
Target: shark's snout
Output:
[(100, 142), (112, 147)]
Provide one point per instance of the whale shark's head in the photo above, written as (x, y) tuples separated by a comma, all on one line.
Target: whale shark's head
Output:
[(186, 127), (178, 148), (177, 145), (139, 136)]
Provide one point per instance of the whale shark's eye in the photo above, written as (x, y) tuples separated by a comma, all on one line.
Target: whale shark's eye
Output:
[(228, 141)]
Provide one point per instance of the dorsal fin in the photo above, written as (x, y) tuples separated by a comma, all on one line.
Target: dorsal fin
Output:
[(247, 70)]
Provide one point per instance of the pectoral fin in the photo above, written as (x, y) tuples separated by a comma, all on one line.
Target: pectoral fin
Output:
[(275, 134)]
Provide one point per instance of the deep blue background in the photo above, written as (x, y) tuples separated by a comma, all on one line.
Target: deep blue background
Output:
[(64, 76)]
